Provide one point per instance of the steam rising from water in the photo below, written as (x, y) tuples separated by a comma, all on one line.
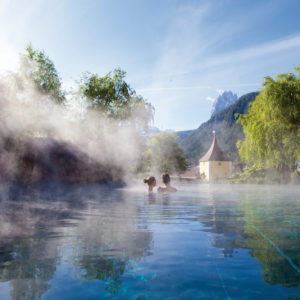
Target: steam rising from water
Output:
[(25, 112)]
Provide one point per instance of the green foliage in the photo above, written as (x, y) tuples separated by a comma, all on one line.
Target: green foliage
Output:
[(268, 226), (42, 71), (197, 142), (253, 174), (272, 126), (182, 135), (283, 93), (295, 177), (105, 269), (112, 96), (164, 154)]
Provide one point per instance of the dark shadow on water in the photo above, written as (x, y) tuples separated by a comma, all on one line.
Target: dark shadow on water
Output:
[(33, 224)]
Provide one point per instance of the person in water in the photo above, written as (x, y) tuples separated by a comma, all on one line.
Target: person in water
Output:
[(168, 188), (151, 181)]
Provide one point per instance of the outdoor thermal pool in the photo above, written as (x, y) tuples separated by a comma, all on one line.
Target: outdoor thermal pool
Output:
[(204, 242)]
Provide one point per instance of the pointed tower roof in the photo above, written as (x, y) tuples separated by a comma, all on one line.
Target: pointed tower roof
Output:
[(215, 153)]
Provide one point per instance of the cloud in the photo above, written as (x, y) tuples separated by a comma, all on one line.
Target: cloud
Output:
[(176, 88), (180, 47), (270, 49), (200, 87), (220, 91), (190, 44), (264, 49), (210, 99)]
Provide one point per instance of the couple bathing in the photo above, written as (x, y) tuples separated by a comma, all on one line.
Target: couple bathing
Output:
[(151, 181)]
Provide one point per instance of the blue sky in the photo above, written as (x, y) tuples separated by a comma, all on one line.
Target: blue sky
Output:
[(177, 54)]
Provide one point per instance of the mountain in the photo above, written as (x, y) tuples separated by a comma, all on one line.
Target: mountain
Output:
[(145, 134), (224, 100), (182, 135), (228, 132), (153, 130)]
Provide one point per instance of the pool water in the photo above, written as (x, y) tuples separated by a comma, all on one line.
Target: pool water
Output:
[(204, 242)]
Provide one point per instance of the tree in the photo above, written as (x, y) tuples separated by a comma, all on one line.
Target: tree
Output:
[(272, 126), (164, 154), (42, 71), (112, 96)]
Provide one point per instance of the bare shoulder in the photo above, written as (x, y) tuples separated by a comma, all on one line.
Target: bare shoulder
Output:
[(168, 189), (161, 189), (172, 189)]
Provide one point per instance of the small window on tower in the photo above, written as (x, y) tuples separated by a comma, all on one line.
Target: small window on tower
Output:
[(219, 164)]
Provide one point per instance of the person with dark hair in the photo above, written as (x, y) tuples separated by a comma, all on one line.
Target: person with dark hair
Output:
[(151, 181), (166, 181)]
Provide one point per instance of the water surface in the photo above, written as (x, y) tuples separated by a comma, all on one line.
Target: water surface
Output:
[(204, 242)]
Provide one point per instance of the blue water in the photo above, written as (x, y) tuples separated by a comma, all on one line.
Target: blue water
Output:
[(204, 242)]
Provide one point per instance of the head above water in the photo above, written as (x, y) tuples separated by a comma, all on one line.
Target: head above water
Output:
[(166, 178), (150, 181)]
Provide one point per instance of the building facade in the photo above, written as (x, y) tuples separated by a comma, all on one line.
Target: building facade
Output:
[(215, 164)]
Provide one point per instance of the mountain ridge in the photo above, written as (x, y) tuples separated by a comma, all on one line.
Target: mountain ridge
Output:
[(224, 100), (228, 132)]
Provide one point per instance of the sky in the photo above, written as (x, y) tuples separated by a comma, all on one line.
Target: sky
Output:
[(179, 55)]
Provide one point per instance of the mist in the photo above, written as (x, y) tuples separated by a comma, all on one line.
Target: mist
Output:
[(29, 117)]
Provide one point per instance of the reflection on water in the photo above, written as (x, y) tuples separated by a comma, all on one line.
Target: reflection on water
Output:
[(205, 242)]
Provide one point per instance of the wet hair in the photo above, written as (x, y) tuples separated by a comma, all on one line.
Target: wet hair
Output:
[(166, 178), (149, 180)]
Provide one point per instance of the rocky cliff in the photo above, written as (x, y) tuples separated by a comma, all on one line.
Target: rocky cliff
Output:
[(33, 160), (224, 100)]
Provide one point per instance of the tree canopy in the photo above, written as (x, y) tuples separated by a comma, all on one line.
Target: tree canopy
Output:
[(113, 96), (164, 154), (42, 71), (272, 126)]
